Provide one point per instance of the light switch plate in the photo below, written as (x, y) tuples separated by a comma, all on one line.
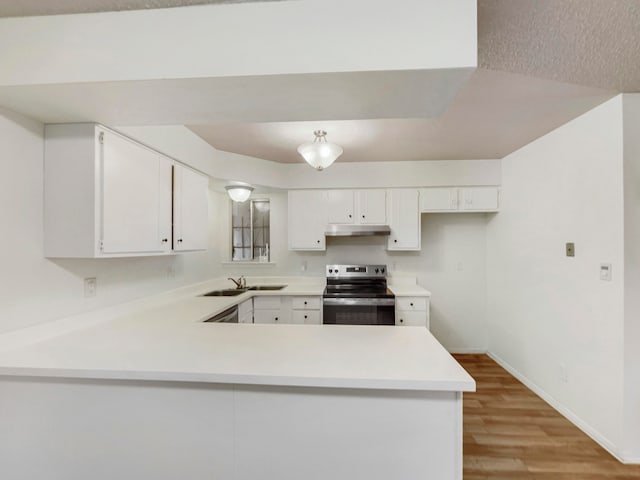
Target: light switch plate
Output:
[(571, 250)]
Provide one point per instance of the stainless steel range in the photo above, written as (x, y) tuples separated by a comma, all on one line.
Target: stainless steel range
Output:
[(358, 295)]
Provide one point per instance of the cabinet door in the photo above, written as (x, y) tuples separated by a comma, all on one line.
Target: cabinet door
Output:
[(306, 317), (267, 316), (439, 199), (307, 219), (136, 198), (341, 206), (190, 209), (480, 199), (404, 219), (372, 207), (411, 319)]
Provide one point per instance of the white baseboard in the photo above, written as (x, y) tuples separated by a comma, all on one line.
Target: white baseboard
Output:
[(564, 411), (467, 350)]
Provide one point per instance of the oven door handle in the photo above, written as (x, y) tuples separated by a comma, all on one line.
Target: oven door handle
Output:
[(374, 302)]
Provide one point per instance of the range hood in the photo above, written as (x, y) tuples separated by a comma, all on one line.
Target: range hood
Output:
[(356, 230)]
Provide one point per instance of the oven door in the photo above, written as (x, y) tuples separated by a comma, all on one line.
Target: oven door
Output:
[(359, 311)]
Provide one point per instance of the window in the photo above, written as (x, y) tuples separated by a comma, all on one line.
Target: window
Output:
[(250, 230)]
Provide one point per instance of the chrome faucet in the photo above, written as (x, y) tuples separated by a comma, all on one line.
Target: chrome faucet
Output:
[(240, 283)]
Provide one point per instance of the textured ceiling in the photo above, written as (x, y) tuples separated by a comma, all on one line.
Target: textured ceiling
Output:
[(25, 8), (587, 42)]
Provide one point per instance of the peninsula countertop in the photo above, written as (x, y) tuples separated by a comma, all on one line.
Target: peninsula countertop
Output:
[(165, 340)]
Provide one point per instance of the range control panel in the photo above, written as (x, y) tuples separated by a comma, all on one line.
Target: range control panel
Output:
[(355, 271)]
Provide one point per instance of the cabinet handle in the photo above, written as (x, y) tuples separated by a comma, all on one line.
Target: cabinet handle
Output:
[(318, 241), (362, 216), (179, 240), (305, 302), (305, 316), (165, 240), (401, 320), (349, 215), (411, 304), (276, 319), (395, 241)]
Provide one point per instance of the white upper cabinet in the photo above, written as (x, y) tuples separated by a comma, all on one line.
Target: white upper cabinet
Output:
[(341, 206), (459, 199), (307, 219), (105, 195), (403, 212), (438, 199), (372, 206), (190, 209), (136, 197), (357, 206), (479, 199)]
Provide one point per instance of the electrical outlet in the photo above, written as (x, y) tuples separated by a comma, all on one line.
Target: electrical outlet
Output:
[(571, 250), (90, 287), (564, 374)]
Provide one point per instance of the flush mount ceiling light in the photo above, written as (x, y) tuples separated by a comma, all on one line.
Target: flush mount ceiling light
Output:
[(239, 192), (320, 154)]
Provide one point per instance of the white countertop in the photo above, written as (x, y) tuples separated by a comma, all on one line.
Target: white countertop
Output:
[(164, 339)]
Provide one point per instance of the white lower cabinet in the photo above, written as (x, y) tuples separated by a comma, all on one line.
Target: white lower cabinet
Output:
[(270, 309), (307, 310), (306, 317), (412, 311), (287, 310)]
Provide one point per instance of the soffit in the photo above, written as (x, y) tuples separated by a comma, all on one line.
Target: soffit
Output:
[(27, 8)]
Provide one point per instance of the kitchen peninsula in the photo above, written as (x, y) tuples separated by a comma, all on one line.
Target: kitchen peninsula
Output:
[(150, 391)]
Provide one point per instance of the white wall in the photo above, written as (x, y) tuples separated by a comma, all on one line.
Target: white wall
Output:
[(631, 115), (451, 265), (34, 289), (547, 311)]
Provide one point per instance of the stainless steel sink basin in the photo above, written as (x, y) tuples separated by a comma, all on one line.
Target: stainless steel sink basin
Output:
[(267, 287), (231, 292)]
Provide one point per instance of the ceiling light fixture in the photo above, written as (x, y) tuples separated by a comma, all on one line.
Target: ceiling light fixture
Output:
[(239, 192), (320, 154)]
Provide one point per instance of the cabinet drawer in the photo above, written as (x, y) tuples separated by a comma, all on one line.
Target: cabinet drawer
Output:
[(266, 303), (245, 307), (268, 316), (309, 317), (306, 303), (411, 303), (411, 319)]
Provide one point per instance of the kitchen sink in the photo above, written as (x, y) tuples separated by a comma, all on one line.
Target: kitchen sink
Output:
[(231, 292), (267, 287)]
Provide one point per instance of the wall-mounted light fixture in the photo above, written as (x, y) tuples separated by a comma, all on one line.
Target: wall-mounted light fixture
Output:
[(239, 192), (320, 154)]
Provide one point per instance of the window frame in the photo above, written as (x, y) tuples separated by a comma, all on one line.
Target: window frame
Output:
[(251, 231)]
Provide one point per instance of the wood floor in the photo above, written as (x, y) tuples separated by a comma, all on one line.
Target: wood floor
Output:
[(511, 433)]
